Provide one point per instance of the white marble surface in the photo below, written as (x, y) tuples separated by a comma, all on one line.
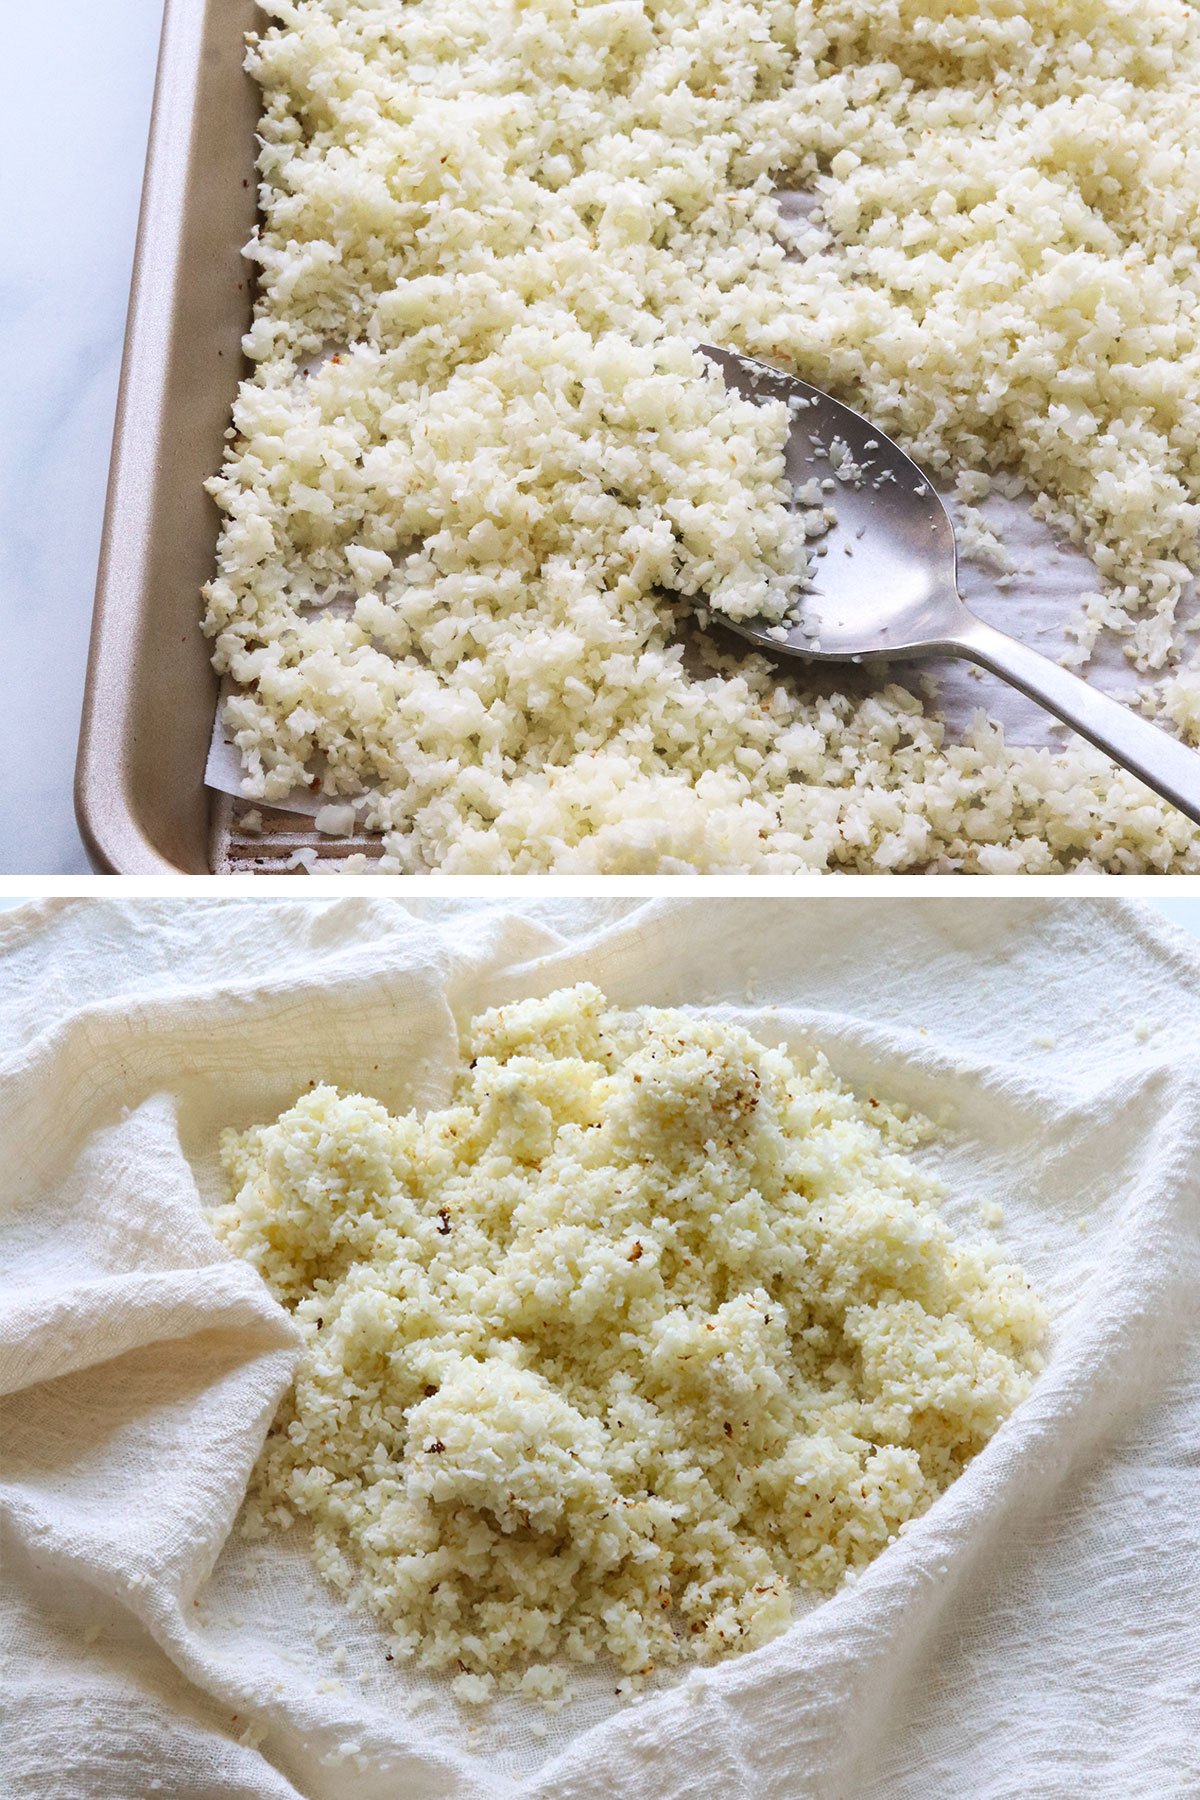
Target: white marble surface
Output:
[(1183, 912), (72, 141)]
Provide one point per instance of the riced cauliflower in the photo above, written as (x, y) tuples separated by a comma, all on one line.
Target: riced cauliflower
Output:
[(650, 1329), (478, 477)]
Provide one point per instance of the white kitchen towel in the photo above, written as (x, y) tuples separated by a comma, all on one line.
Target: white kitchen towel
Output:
[(1035, 1634)]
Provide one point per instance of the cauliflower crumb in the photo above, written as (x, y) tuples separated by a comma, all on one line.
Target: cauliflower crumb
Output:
[(334, 821), (649, 1328), (479, 478), (1181, 704), (992, 1214), (473, 1690)]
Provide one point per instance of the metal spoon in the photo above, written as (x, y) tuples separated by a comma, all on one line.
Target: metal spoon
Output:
[(897, 597)]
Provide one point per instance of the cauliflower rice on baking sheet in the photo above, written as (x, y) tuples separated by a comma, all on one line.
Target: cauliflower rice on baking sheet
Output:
[(652, 1330), (478, 479)]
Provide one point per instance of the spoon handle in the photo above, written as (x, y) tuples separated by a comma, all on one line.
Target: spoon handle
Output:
[(1162, 762)]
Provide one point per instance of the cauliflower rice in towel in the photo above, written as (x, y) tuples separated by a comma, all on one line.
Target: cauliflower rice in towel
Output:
[(648, 1332), (478, 478)]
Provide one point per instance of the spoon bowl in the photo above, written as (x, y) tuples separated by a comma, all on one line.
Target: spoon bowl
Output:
[(884, 582)]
